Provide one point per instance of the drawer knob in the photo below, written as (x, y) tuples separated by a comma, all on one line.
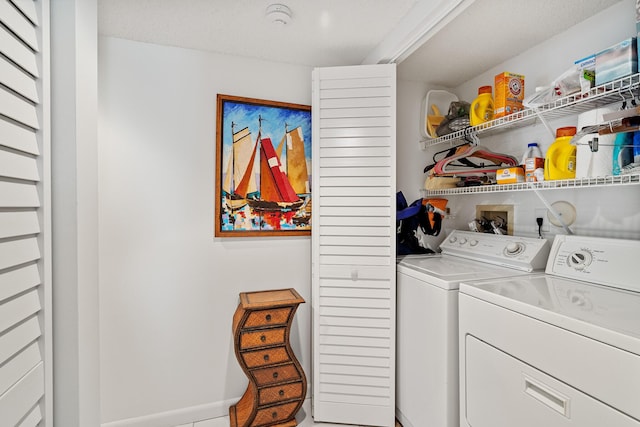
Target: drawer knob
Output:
[(274, 414), (281, 392), (268, 317), (275, 374), (266, 357), (263, 338)]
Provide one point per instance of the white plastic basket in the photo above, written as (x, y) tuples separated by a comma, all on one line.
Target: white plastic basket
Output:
[(441, 99)]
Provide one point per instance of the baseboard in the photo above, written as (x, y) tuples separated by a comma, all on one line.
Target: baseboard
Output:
[(177, 417)]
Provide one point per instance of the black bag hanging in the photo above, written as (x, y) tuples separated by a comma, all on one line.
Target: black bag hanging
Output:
[(407, 223)]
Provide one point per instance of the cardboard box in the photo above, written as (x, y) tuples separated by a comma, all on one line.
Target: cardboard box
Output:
[(618, 61), (587, 68), (509, 94), (510, 175), (530, 165)]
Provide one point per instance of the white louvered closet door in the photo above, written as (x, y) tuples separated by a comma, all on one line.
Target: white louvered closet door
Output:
[(353, 244), (25, 297)]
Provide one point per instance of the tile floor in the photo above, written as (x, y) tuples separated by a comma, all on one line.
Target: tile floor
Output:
[(303, 417)]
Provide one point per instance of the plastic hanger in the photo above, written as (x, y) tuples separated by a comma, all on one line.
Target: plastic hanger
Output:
[(476, 151)]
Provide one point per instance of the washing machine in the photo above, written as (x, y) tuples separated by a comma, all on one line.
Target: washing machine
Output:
[(427, 317), (560, 348)]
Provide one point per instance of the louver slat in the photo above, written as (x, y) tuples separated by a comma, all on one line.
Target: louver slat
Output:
[(17, 52), (18, 24), (18, 109), (28, 9), (18, 195), (18, 166), (22, 397), (17, 137), (18, 80)]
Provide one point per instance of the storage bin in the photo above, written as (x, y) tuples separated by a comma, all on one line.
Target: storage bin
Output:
[(441, 99)]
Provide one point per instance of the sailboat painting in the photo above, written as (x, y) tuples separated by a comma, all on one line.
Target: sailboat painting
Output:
[(263, 167)]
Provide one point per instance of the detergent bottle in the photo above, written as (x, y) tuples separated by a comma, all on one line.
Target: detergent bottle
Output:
[(482, 107), (560, 162)]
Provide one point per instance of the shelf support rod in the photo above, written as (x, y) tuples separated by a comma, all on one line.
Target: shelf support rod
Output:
[(544, 122), (553, 211)]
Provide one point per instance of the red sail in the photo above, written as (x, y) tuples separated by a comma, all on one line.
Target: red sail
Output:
[(274, 185)]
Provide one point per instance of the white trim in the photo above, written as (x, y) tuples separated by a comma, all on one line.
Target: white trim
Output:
[(45, 189), (418, 26)]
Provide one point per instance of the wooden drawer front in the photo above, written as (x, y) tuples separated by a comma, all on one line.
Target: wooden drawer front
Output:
[(277, 374), (280, 393), (274, 413), (274, 316), (270, 356), (261, 338)]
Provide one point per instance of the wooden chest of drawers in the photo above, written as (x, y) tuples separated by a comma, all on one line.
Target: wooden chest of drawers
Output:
[(277, 384)]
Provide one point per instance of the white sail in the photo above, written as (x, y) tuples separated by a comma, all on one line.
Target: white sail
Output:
[(243, 149)]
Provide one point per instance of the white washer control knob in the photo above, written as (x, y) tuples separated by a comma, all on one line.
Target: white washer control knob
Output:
[(453, 239), (513, 248), (463, 240), (473, 242), (580, 259)]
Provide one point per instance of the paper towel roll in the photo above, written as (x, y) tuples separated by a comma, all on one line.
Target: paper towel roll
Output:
[(600, 163)]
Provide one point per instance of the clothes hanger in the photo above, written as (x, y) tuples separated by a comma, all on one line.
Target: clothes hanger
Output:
[(498, 160), (461, 162)]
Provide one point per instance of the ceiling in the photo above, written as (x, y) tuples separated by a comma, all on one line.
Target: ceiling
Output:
[(351, 32), (321, 32)]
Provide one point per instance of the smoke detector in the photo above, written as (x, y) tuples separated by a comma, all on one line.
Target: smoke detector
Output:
[(278, 14)]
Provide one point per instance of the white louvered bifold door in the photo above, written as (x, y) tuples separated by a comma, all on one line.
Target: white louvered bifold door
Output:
[(24, 295), (353, 244)]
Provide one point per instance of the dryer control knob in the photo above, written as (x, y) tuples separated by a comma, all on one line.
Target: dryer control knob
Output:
[(580, 259)]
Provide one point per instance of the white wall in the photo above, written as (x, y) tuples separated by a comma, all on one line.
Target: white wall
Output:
[(168, 288), (611, 212)]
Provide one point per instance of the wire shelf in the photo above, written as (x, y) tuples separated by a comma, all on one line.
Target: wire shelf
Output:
[(544, 185), (608, 93)]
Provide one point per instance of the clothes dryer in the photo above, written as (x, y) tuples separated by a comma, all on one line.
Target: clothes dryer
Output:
[(555, 349), (427, 317)]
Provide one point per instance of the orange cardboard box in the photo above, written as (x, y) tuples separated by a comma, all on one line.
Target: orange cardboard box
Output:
[(509, 94), (510, 175)]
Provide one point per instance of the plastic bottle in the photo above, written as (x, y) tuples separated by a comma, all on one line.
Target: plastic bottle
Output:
[(532, 160), (482, 107), (622, 152), (560, 162)]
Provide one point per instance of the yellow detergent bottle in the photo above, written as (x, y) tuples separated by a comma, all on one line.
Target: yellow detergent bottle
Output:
[(482, 107), (560, 161)]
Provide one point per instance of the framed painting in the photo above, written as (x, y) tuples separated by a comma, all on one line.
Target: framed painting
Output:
[(263, 167)]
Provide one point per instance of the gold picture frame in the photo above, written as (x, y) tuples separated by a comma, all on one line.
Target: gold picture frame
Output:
[(263, 168)]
